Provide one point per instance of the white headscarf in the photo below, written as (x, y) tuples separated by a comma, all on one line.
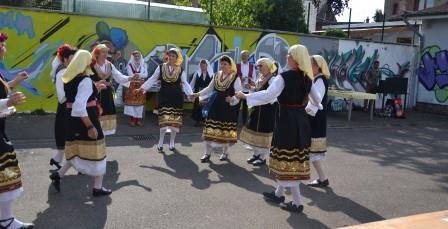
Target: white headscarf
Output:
[(209, 69), (134, 63)]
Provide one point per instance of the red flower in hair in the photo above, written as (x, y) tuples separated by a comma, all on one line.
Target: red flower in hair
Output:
[(63, 51), (3, 37)]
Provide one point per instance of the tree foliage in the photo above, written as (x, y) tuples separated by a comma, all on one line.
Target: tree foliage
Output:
[(335, 6), (378, 16), (335, 33)]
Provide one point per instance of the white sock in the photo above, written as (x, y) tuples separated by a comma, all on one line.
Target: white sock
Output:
[(295, 191), (6, 213), (318, 166), (256, 151), (161, 138), (280, 191), (264, 152), (58, 155), (67, 165), (208, 148), (172, 139), (98, 183)]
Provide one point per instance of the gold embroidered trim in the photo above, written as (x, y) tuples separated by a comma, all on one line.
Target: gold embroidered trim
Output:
[(169, 116), (222, 132), (285, 170), (7, 154), (254, 138), (108, 122), (261, 81), (166, 73), (318, 145), (10, 177), (104, 75), (134, 99), (222, 85), (87, 150)]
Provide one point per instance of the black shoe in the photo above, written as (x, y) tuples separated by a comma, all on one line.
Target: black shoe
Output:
[(80, 174), (271, 197), (55, 163), (101, 192), (11, 220), (56, 181), (173, 149), (292, 207), (253, 158), (319, 184), (205, 158), (160, 149), (259, 162)]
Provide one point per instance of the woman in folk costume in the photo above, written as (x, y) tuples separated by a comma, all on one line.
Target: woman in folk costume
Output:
[(220, 113), (106, 71), (64, 56), (170, 100), (200, 80), (84, 146), (134, 104), (10, 175), (289, 158), (258, 130), (318, 119)]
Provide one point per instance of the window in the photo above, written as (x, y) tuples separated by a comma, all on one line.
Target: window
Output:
[(395, 9), (404, 40)]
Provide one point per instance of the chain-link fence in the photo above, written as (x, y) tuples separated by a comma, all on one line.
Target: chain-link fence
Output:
[(42, 4)]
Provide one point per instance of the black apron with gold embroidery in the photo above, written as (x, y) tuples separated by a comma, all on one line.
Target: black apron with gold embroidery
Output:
[(289, 158), (108, 113), (10, 175), (319, 124), (171, 98), (220, 124)]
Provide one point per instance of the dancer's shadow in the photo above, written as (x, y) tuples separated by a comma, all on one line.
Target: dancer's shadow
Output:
[(75, 207), (182, 167), (302, 221), (327, 200), (239, 176)]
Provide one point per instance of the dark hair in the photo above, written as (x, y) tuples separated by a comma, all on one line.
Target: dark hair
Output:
[(3, 37), (225, 59), (66, 51), (376, 62), (203, 62), (314, 62)]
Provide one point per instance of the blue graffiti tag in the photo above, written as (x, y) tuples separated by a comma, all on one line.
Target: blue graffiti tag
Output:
[(434, 70), (21, 23)]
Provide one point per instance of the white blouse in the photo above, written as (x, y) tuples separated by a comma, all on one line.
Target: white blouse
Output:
[(271, 93), (316, 95), (116, 75), (206, 92), (143, 71), (3, 105), (60, 87), (155, 77), (85, 90)]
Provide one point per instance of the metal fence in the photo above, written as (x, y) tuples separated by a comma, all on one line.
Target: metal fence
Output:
[(41, 4)]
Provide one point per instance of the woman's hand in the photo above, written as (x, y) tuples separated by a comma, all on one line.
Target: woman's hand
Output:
[(139, 91), (21, 76), (92, 133), (240, 95), (100, 85), (16, 99), (229, 99), (193, 96), (136, 76)]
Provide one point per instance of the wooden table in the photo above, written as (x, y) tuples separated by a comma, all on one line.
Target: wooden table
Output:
[(352, 95), (433, 220)]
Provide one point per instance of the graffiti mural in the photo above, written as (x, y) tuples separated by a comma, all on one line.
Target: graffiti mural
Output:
[(433, 72)]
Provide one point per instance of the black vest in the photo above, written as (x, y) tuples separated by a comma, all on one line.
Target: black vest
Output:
[(71, 89)]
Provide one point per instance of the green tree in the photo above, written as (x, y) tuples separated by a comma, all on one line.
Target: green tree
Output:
[(335, 6), (335, 33), (285, 15), (378, 16)]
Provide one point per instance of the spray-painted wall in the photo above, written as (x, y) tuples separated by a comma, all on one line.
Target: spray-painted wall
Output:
[(35, 36), (433, 70)]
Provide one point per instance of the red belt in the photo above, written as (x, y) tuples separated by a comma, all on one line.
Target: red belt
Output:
[(292, 105), (92, 103)]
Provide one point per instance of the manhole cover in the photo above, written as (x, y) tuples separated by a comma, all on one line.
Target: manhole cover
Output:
[(142, 137)]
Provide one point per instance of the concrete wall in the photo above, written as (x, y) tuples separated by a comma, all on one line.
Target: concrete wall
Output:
[(433, 69), (34, 37)]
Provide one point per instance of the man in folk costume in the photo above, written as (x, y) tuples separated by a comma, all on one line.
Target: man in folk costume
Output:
[(64, 55), (10, 174), (85, 145), (200, 80), (247, 74), (171, 99), (134, 104), (220, 113), (104, 70), (291, 141), (318, 119), (257, 132)]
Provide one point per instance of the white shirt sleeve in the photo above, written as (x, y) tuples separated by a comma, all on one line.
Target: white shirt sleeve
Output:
[(60, 87), (206, 92), (118, 77), (3, 105), (185, 85), (85, 90), (238, 87), (266, 96), (144, 71), (193, 80), (315, 97), (152, 80)]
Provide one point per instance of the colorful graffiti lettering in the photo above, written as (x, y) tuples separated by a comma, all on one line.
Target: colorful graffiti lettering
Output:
[(21, 23), (433, 72), (348, 69)]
